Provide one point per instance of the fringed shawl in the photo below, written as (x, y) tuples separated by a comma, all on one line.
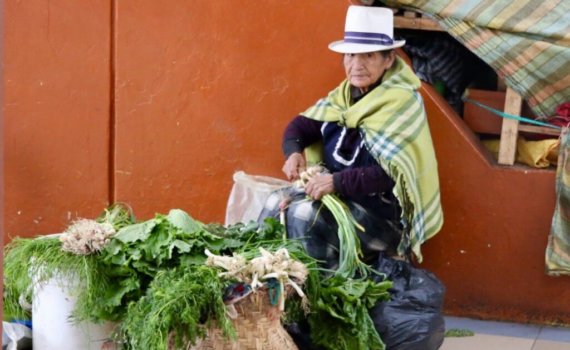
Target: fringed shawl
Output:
[(393, 123)]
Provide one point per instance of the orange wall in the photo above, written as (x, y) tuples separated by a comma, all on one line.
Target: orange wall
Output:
[(200, 90), (56, 110), (157, 103), (205, 88), (490, 252)]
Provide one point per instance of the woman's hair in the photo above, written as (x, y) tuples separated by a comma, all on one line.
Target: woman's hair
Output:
[(386, 53)]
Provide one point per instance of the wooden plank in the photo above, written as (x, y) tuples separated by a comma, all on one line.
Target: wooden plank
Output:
[(411, 14), (419, 23), (509, 131), (539, 130)]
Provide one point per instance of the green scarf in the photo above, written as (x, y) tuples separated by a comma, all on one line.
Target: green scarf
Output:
[(396, 133)]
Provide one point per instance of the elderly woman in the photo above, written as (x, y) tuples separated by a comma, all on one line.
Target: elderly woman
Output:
[(374, 135)]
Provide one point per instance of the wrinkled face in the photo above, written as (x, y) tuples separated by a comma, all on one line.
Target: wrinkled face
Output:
[(364, 69)]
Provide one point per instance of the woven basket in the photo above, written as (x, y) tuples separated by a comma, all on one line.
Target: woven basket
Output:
[(258, 327)]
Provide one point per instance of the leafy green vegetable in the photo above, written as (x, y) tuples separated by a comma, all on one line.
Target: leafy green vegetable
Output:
[(182, 302), (119, 215), (180, 219), (458, 332), (136, 232), (343, 306), (269, 229), (140, 251)]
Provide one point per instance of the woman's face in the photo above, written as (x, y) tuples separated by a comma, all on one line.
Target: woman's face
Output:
[(364, 69)]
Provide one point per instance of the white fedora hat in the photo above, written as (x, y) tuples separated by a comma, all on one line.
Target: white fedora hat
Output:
[(367, 29)]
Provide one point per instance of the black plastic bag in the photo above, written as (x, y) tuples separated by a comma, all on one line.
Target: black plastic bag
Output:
[(412, 319)]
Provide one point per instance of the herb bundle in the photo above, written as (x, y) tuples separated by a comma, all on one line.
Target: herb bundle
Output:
[(179, 306), (343, 306), (28, 263)]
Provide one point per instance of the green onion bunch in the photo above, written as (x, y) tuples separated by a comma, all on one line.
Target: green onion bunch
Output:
[(350, 251)]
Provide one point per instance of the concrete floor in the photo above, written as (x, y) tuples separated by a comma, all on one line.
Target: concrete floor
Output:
[(490, 335)]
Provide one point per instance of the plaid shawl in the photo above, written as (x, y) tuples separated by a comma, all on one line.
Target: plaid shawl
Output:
[(558, 249), (393, 122), (527, 42)]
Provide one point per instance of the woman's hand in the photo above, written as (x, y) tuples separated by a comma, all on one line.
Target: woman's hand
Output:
[(294, 166), (319, 185)]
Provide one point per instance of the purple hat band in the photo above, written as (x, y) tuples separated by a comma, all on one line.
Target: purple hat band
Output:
[(367, 38)]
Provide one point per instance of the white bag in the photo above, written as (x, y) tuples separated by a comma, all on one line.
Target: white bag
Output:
[(248, 196), (16, 336)]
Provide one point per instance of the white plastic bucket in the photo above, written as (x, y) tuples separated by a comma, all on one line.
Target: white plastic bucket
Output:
[(52, 306)]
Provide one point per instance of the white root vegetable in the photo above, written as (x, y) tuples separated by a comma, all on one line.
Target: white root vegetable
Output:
[(306, 175), (268, 265), (85, 236), (235, 265)]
